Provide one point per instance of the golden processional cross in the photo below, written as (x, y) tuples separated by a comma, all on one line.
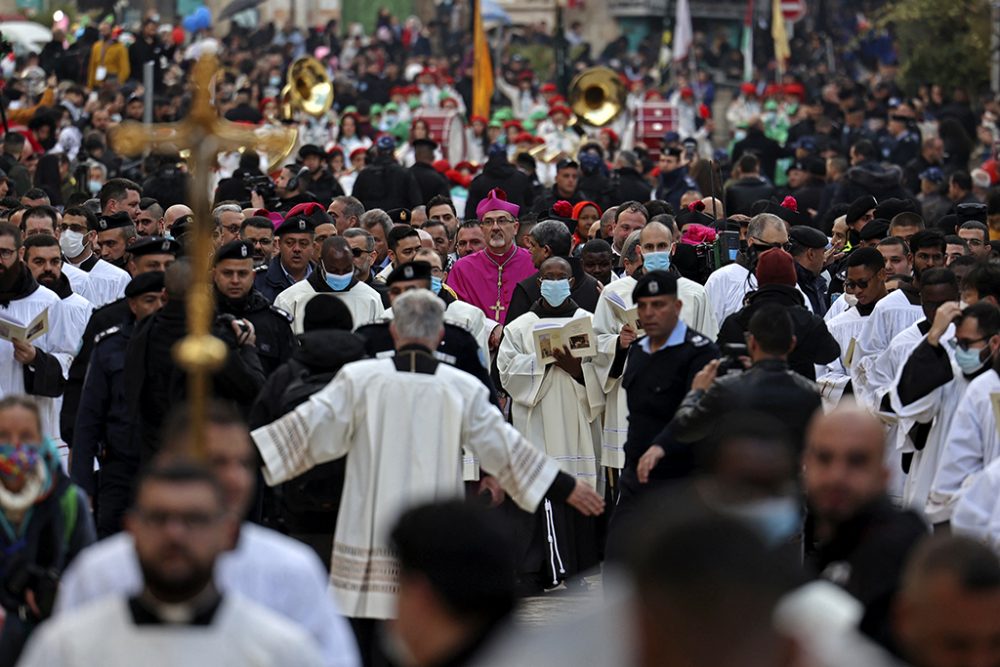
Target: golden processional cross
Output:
[(204, 134)]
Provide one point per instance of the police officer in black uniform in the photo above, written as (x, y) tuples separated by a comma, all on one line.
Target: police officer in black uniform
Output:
[(103, 421), (458, 348), (430, 182), (656, 372), (385, 184), (235, 295), (276, 279), (104, 318)]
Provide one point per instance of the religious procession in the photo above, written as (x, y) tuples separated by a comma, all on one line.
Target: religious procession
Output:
[(431, 333)]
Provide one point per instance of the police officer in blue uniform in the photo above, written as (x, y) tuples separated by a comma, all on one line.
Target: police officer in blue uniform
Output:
[(103, 423), (235, 295)]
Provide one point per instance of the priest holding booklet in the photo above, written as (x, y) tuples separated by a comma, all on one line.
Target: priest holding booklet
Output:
[(557, 400)]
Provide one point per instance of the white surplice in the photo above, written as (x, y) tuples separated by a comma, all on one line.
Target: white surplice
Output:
[(550, 408), (364, 303), (266, 567), (977, 509), (832, 378), (61, 341), (696, 311), (241, 633), (836, 308), (728, 286), (467, 317), (891, 316), (972, 442), (404, 433), (106, 283)]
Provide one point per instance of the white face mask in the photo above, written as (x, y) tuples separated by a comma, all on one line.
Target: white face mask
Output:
[(850, 299), (71, 243)]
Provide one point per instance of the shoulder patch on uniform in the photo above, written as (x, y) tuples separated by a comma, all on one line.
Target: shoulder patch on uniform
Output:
[(282, 312), (446, 358), (699, 341), (388, 354), (464, 326), (107, 332), (260, 269)]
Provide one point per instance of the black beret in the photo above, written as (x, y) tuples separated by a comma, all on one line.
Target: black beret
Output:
[(815, 166), (859, 207), (154, 245), (426, 143), (326, 311), (808, 237), (892, 207), (295, 224), (151, 281), (234, 250), (311, 149), (876, 229), (114, 221), (409, 271), (398, 215), (180, 226), (655, 283), (673, 151)]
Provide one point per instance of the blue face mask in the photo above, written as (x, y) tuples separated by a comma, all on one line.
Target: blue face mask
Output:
[(338, 283), (436, 284), (555, 292), (656, 261), (969, 360), (776, 519)]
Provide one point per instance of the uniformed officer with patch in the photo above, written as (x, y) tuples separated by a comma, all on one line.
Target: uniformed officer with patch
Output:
[(236, 295), (152, 253), (458, 347), (103, 423), (905, 140), (656, 371), (294, 261)]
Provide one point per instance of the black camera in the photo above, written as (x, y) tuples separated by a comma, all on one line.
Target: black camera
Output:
[(264, 186), (731, 361)]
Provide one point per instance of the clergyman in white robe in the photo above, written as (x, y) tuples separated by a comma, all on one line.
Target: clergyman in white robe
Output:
[(404, 429), (364, 302)]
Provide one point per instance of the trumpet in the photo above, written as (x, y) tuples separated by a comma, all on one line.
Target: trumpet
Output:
[(308, 88), (597, 95)]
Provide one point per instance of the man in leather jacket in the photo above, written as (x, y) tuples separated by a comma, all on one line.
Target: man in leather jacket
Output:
[(767, 386)]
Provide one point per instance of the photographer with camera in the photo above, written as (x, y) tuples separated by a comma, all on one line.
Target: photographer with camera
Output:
[(768, 385)]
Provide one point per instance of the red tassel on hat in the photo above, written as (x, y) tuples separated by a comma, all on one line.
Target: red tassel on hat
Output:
[(790, 203)]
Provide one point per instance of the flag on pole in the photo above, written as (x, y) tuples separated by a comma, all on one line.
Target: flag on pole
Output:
[(781, 50), (482, 73), (683, 33), (747, 46)]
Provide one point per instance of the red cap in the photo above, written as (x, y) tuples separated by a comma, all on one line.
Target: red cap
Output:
[(526, 75), (481, 119), (653, 95), (548, 88), (441, 166), (748, 88), (557, 99), (524, 138), (611, 134), (360, 150), (513, 123), (449, 101), (465, 164), (775, 267), (686, 91), (772, 90), (796, 89), (560, 108)]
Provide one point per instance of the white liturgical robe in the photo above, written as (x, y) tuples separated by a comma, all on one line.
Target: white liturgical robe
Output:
[(105, 633), (977, 510), (364, 303), (550, 408), (832, 378), (403, 432)]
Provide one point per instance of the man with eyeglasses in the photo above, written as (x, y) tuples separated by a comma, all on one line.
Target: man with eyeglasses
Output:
[(258, 231), (977, 236), (727, 286), (487, 278), (960, 346), (33, 367), (362, 245), (294, 261), (334, 274), (228, 219), (864, 287)]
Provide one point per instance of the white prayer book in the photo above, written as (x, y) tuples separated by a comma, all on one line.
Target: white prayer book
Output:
[(576, 334), (12, 328), (626, 314)]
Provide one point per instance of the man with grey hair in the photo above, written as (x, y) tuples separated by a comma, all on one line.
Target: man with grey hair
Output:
[(396, 393), (346, 212), (228, 219), (727, 285), (379, 224), (629, 181), (363, 250), (552, 238)]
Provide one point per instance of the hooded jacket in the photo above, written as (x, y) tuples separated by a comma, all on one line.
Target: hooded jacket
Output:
[(499, 173), (872, 178)]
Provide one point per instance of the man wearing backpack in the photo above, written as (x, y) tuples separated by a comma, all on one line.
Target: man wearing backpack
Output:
[(306, 507)]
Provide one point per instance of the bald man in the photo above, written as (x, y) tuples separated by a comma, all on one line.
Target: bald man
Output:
[(173, 214), (854, 537)]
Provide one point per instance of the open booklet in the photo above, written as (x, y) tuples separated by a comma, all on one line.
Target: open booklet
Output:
[(576, 334), (13, 329), (625, 313)]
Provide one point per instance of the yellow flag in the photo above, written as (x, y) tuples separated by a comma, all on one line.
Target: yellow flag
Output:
[(482, 73), (778, 33)]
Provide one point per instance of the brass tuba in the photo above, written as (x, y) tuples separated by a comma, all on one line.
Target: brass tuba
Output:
[(597, 95), (309, 88)]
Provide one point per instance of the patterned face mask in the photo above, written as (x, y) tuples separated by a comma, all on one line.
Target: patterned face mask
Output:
[(18, 461)]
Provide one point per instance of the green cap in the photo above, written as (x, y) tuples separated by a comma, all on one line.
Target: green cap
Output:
[(503, 113), (376, 109), (495, 123), (413, 102), (528, 125), (350, 109), (401, 131), (391, 106), (538, 114)]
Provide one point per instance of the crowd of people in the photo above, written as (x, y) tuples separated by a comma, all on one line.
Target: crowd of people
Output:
[(750, 364)]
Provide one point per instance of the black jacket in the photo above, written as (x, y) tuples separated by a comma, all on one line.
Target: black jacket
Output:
[(387, 185), (273, 281), (551, 196), (767, 150), (499, 173), (769, 386), (629, 185), (871, 178), (585, 291), (325, 186), (741, 195), (429, 181), (598, 188), (272, 327), (814, 344)]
